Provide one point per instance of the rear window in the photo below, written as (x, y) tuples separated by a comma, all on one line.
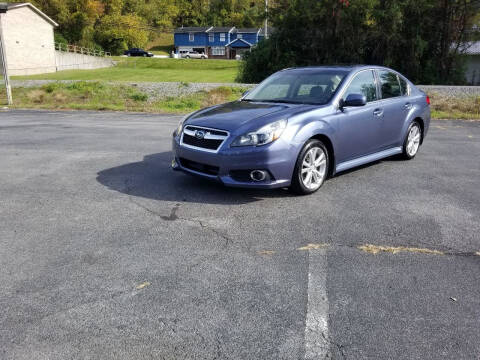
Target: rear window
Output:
[(389, 84)]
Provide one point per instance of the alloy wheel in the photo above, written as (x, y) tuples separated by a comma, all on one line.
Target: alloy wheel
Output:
[(314, 168), (413, 140)]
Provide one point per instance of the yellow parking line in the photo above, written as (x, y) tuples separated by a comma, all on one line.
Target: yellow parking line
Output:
[(375, 249), (143, 285), (312, 247)]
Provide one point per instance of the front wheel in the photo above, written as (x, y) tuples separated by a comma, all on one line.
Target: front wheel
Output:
[(412, 140), (311, 168)]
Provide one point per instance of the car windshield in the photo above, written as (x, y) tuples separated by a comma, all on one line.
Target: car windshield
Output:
[(298, 87)]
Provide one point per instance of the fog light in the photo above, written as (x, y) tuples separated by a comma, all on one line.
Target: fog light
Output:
[(258, 175)]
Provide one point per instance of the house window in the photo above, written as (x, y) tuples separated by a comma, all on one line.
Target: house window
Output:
[(218, 50), (222, 37), (239, 36), (191, 37), (211, 37)]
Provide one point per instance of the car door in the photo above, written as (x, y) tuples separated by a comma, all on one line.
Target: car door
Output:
[(396, 107), (359, 128)]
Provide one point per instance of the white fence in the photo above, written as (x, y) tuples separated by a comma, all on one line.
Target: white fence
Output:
[(80, 50)]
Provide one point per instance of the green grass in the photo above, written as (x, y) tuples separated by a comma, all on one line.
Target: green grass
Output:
[(154, 70), (118, 97), (162, 44), (107, 96), (454, 107)]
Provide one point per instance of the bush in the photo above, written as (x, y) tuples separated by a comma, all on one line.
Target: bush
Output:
[(138, 96)]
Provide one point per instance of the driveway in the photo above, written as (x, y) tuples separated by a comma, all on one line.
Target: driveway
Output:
[(105, 253)]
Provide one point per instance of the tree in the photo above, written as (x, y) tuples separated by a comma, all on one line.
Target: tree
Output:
[(116, 33), (422, 39)]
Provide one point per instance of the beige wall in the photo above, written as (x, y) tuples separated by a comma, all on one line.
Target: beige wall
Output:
[(29, 42), (73, 61)]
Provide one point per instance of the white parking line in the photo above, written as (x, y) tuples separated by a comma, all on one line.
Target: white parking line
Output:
[(316, 323)]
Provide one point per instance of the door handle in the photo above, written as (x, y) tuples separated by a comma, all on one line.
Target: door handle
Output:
[(378, 112), (408, 106)]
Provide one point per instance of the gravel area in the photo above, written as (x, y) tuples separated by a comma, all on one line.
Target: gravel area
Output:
[(451, 91), (158, 90), (155, 90)]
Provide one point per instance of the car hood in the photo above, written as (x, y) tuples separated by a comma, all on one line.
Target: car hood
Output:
[(235, 115)]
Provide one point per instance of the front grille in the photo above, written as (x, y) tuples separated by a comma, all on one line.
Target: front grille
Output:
[(211, 141), (196, 166), (203, 143)]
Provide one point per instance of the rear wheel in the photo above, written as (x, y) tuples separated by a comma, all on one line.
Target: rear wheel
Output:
[(412, 140), (187, 57), (311, 168)]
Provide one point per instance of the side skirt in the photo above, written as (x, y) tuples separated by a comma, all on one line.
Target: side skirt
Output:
[(367, 159)]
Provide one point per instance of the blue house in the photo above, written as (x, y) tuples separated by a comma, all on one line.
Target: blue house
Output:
[(216, 42)]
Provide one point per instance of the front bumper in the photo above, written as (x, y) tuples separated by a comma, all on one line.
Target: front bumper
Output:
[(277, 158)]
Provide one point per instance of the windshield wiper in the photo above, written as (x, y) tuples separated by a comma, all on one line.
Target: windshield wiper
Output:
[(286, 101)]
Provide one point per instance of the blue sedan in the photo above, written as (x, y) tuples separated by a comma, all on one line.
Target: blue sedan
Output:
[(303, 125)]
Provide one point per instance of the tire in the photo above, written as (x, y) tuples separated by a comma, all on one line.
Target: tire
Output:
[(187, 57), (203, 57), (129, 55), (305, 170), (144, 55), (412, 141)]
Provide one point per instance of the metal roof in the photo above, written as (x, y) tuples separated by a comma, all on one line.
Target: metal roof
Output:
[(271, 30), (12, 6), (221, 29), (247, 30), (192, 29), (471, 48)]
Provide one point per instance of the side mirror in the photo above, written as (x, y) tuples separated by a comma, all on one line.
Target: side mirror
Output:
[(354, 100)]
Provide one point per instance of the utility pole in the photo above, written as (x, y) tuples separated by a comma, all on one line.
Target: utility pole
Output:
[(266, 19), (3, 55)]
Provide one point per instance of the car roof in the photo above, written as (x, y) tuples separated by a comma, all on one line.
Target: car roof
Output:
[(348, 68)]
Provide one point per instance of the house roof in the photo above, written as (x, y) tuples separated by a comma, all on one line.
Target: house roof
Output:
[(192, 29), (471, 48), (247, 30), (12, 6), (239, 43), (271, 30), (221, 29)]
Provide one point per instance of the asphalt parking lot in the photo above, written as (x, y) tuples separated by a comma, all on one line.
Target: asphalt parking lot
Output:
[(105, 253)]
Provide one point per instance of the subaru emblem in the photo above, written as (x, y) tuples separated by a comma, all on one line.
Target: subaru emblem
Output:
[(199, 134)]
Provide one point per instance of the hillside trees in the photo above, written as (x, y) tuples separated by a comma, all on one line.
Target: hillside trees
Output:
[(118, 24), (422, 39)]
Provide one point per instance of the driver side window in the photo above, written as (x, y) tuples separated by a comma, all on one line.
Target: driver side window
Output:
[(363, 83)]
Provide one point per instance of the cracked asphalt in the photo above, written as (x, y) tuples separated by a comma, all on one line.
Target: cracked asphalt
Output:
[(105, 253)]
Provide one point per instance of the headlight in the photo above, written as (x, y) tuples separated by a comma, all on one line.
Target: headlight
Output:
[(179, 128), (262, 136)]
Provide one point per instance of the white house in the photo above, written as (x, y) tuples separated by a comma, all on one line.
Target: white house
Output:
[(29, 40), (472, 55)]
